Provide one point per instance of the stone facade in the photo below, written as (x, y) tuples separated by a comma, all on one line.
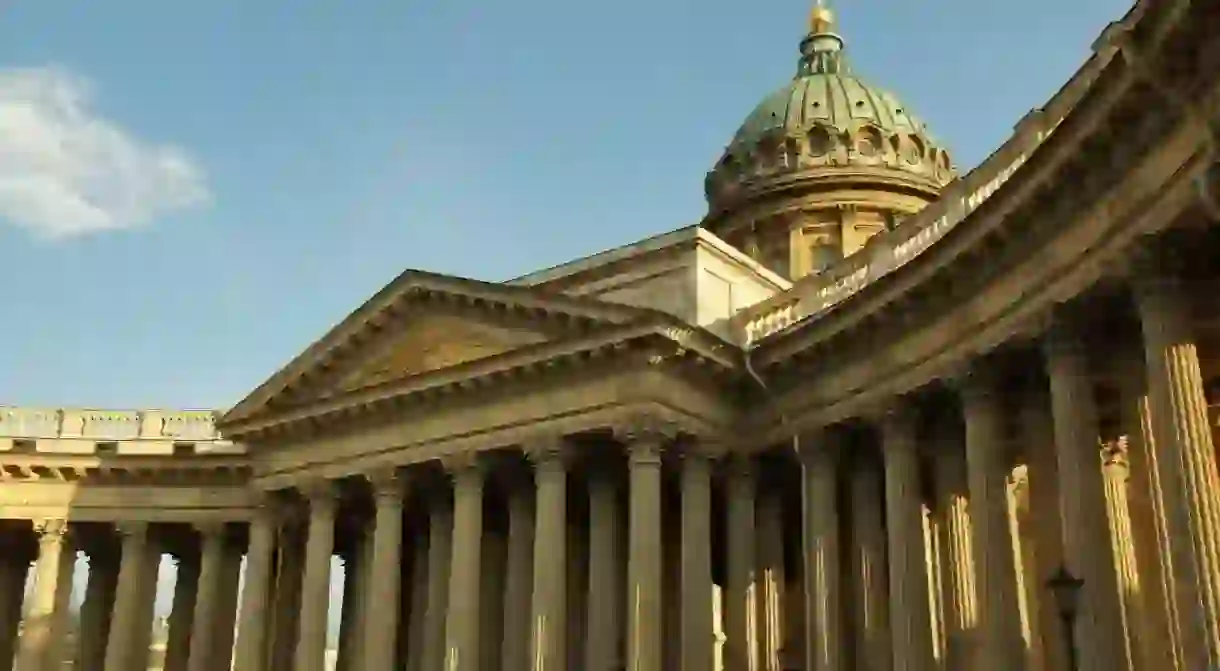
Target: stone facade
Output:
[(671, 456)]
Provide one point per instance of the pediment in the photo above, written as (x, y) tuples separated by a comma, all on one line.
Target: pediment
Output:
[(431, 343)]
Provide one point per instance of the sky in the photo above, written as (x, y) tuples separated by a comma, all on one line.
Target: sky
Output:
[(191, 192)]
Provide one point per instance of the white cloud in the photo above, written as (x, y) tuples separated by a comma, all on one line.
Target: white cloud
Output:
[(66, 171)]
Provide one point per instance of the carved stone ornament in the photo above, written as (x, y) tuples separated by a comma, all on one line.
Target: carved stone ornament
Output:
[(51, 530), (389, 484)]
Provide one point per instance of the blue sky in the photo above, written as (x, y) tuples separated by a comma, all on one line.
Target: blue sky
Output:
[(191, 192)]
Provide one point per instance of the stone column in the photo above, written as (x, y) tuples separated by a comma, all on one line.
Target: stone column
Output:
[(519, 587), (987, 469), (16, 568), (315, 582), (95, 611), (548, 628), (1086, 537), (382, 603), (1158, 647), (346, 651), (772, 581), (204, 654), (1116, 471), (286, 607), (910, 610), (182, 611), (696, 556), (419, 602), (822, 575), (226, 617), (960, 607), (868, 582), (741, 601), (46, 617), (644, 651), (1186, 457), (256, 593), (604, 647), (1037, 432), (462, 621), (127, 620), (440, 552)]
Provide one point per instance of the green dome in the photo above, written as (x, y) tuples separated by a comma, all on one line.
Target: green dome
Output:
[(830, 99)]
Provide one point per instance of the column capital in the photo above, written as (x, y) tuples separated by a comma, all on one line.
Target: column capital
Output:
[(738, 465), (129, 529), (210, 528), (708, 449), (390, 485), (979, 381), (646, 428), (899, 416), (1064, 334), (51, 530), (549, 452), (1114, 455), (463, 463)]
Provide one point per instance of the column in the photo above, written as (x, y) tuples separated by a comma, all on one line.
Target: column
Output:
[(46, 617), (960, 608), (256, 593), (987, 469), (519, 585), (1115, 470), (910, 611), (203, 648), (604, 647), (772, 582), (440, 552), (381, 607), (696, 556), (868, 579), (1082, 501), (126, 621), (226, 619), (491, 604), (419, 601), (824, 644), (462, 620), (182, 611), (315, 582), (95, 611), (16, 568), (548, 612), (741, 603), (1037, 432), (1185, 455), (1159, 644), (351, 559), (286, 607), (644, 550)]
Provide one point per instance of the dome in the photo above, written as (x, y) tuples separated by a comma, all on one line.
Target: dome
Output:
[(826, 117)]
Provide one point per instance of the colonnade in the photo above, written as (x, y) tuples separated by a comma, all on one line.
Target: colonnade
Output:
[(917, 537)]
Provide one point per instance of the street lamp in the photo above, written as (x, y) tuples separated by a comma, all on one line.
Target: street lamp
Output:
[(1065, 587)]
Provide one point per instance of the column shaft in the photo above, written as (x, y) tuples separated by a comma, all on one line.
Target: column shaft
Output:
[(95, 611), (137, 559), (773, 582), (1037, 432), (1186, 460), (1116, 472), (696, 583), (1082, 501), (1158, 647), (440, 552), (910, 610), (518, 596), (286, 607), (256, 594), (462, 621), (741, 602), (822, 556), (604, 648), (315, 582), (383, 590), (203, 650), (960, 607), (548, 631), (46, 617), (987, 468), (644, 555), (16, 567), (182, 612), (419, 602), (868, 578)]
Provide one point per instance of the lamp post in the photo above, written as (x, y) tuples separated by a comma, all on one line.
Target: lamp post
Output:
[(1065, 587)]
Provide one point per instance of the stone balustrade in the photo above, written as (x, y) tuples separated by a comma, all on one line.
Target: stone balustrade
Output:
[(121, 432)]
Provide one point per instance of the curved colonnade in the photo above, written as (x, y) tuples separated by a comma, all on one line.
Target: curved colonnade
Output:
[(978, 399)]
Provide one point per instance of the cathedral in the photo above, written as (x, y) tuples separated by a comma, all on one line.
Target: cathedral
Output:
[(871, 414)]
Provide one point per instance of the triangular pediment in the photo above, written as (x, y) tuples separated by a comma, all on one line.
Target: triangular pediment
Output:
[(434, 342)]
